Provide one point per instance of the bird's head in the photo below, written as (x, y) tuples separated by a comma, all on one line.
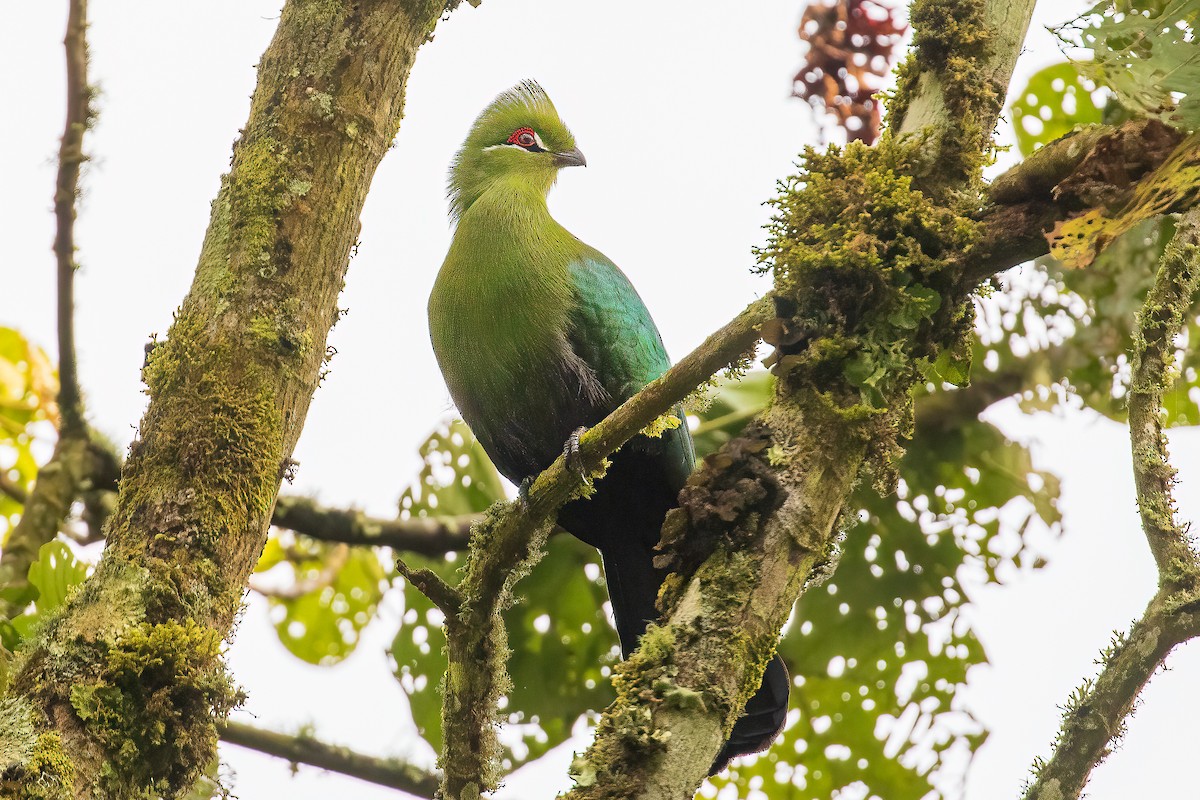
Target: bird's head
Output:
[(519, 138)]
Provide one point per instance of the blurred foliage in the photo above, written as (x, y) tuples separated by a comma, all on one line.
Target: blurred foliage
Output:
[(1145, 52), (1055, 100), (1070, 330), (28, 392), (322, 626), (28, 402), (55, 574), (878, 651)]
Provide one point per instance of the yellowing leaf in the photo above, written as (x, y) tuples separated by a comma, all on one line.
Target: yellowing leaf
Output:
[(1077, 241)]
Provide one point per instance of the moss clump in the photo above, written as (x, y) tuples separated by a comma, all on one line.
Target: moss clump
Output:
[(154, 710), (952, 41), (647, 675), (723, 504), (866, 301), (54, 770), (214, 468)]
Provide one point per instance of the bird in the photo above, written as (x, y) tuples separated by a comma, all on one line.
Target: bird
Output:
[(539, 335)]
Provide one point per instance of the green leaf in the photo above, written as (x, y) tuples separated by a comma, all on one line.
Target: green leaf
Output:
[(473, 485), (53, 577)]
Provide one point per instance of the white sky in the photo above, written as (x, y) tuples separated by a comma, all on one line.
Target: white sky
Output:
[(684, 114)]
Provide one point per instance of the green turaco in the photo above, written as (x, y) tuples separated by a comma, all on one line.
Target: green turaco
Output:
[(538, 335)]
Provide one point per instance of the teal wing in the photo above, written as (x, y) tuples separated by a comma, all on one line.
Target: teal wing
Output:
[(613, 332)]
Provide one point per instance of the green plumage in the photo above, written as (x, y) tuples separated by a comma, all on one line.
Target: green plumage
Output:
[(538, 334)]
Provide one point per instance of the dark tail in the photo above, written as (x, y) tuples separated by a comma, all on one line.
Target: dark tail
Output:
[(633, 590), (762, 719)]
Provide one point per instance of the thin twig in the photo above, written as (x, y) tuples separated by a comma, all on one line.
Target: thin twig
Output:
[(70, 157), (72, 463), (304, 749), (1159, 322), (428, 583), (13, 489)]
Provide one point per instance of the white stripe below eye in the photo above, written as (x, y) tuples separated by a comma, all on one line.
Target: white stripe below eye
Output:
[(506, 144)]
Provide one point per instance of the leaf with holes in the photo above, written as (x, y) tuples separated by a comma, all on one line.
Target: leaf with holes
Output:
[(1076, 242), (1145, 51)]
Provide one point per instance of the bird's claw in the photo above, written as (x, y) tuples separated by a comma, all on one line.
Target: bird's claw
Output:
[(572, 455)]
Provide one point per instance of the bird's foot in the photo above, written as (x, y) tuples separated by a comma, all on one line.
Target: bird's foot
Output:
[(572, 455)]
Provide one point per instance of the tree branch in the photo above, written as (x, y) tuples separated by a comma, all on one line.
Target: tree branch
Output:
[(70, 157), (1096, 713), (304, 749), (1159, 322), (429, 536), (84, 712)]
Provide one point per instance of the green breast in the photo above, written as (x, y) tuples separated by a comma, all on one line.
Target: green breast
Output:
[(499, 308)]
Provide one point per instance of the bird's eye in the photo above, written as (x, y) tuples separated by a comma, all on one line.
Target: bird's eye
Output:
[(523, 137)]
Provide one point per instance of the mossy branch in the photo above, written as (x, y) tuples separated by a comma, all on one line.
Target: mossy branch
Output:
[(1096, 713), (1159, 321), (128, 679), (507, 542), (303, 748)]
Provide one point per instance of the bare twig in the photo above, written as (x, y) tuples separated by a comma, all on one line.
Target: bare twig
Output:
[(428, 583), (70, 157), (73, 463), (430, 536), (1096, 713), (304, 749), (12, 488)]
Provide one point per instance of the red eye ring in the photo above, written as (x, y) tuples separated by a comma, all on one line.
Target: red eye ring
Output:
[(523, 137)]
